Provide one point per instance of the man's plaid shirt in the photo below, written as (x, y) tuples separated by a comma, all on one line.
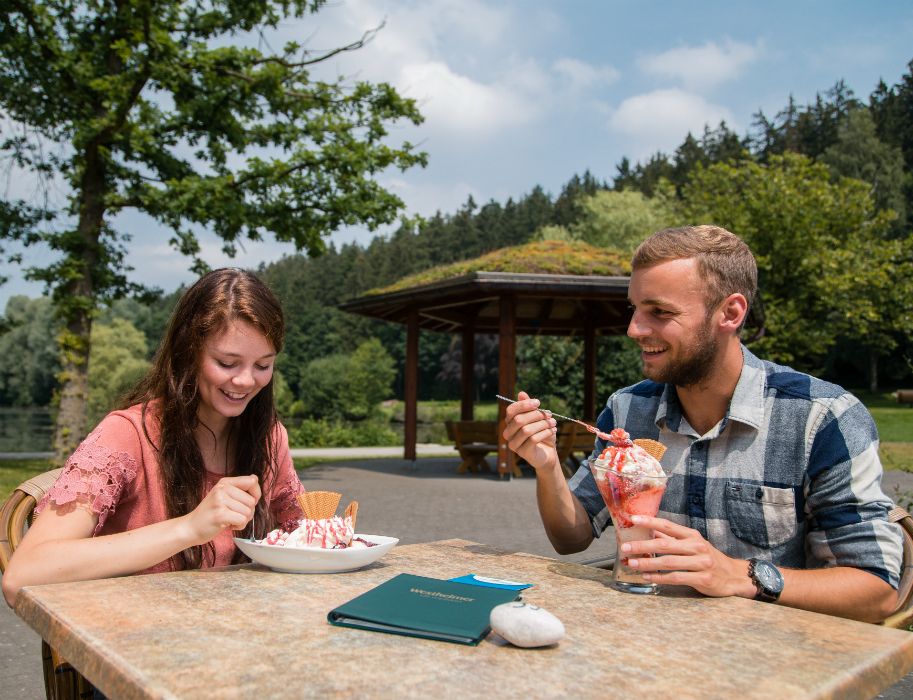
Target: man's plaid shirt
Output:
[(791, 474)]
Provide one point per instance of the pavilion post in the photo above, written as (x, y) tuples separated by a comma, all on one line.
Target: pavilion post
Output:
[(507, 378), (410, 386), (467, 373), (589, 370)]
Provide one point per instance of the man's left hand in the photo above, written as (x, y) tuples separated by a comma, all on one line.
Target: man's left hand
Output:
[(682, 557)]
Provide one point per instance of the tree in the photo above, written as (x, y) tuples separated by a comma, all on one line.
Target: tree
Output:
[(861, 155), (808, 130), (825, 268), (874, 285), (892, 110), (152, 107), (116, 363), (621, 220), (551, 368), (29, 353), (341, 386)]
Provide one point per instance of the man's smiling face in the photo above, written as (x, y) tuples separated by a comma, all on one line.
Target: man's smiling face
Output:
[(671, 323)]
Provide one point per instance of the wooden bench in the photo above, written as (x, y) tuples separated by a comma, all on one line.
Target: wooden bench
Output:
[(473, 439), (565, 442), (584, 443), (904, 396)]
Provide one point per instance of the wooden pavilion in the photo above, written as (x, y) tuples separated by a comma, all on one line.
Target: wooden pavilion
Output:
[(470, 298)]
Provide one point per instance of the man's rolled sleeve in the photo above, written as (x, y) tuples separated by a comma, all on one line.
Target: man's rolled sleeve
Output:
[(845, 505)]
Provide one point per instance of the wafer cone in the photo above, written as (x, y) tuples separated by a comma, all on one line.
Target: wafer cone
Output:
[(352, 512), (318, 505), (653, 448)]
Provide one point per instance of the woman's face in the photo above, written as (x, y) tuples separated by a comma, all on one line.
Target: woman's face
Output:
[(236, 364)]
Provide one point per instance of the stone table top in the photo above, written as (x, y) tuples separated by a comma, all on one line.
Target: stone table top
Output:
[(247, 631)]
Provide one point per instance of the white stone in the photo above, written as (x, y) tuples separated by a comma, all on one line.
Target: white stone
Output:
[(526, 625)]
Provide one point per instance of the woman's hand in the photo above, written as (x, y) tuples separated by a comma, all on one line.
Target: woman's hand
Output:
[(230, 504)]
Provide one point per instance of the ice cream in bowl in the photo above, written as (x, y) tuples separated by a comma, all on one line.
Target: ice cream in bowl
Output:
[(320, 542), (632, 482)]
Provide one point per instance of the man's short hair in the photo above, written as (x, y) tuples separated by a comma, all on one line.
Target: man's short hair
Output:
[(724, 260)]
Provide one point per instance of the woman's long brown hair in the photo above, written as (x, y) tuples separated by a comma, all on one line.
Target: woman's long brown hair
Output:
[(169, 394)]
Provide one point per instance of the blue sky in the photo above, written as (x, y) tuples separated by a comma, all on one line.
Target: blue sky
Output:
[(520, 93)]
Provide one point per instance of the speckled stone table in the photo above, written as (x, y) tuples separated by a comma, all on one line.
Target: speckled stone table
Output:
[(250, 632)]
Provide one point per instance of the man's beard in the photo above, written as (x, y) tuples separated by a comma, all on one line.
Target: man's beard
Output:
[(695, 363)]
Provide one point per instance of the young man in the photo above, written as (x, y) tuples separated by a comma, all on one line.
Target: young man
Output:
[(767, 464)]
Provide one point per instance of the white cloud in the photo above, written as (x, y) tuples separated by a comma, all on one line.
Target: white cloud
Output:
[(660, 119), (582, 76), (456, 103), (437, 52), (702, 67)]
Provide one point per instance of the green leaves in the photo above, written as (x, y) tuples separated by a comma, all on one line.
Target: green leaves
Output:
[(154, 106), (827, 269), (348, 386), (193, 131)]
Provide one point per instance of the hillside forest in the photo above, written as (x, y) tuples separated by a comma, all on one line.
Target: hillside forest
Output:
[(822, 192)]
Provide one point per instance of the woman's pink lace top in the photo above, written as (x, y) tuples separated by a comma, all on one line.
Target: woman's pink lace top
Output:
[(114, 473)]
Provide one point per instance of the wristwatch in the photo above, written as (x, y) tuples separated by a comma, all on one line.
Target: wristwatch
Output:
[(767, 579)]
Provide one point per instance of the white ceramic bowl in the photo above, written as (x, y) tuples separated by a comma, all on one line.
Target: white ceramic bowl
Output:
[(315, 560)]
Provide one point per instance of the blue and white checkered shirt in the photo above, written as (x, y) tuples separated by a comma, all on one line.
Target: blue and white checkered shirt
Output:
[(791, 474)]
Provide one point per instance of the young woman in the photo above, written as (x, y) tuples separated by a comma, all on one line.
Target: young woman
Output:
[(196, 456)]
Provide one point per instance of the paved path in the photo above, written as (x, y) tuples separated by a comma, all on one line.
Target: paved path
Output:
[(417, 502)]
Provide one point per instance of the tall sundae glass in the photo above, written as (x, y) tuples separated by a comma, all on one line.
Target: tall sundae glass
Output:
[(632, 482)]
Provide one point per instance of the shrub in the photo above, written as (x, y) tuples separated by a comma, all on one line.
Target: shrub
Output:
[(339, 387), (324, 433)]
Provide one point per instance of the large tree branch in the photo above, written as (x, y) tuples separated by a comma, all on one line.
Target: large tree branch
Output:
[(354, 46)]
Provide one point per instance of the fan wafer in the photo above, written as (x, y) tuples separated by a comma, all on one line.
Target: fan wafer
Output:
[(352, 512), (319, 505), (653, 448)]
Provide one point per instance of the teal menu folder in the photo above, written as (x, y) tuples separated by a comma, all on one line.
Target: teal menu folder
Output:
[(416, 606)]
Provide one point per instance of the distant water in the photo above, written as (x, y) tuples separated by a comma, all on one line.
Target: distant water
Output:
[(26, 429)]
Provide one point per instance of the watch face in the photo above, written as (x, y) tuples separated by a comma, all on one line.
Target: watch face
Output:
[(768, 576)]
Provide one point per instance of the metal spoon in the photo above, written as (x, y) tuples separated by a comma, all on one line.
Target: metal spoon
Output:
[(598, 433)]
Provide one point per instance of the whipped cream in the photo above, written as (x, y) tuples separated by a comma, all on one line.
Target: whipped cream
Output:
[(624, 457), (328, 533)]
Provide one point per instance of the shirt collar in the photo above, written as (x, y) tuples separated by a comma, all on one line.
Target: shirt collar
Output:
[(746, 405)]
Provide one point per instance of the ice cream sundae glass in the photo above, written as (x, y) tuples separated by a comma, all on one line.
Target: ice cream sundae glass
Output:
[(632, 482)]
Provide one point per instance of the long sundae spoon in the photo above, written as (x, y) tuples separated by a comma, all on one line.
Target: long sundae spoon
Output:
[(596, 431)]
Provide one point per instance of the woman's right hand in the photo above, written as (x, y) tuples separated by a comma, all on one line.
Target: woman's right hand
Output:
[(229, 505)]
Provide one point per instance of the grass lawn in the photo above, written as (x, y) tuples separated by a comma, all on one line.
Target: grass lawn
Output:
[(14, 471)]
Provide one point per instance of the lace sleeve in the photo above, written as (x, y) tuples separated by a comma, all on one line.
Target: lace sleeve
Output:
[(93, 478)]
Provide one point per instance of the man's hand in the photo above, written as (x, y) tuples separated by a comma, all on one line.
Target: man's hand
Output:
[(683, 557), (530, 432)]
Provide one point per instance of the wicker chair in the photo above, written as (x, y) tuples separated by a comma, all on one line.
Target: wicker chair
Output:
[(61, 681), (902, 616)]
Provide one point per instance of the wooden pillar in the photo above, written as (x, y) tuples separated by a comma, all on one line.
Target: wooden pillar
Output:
[(507, 378), (467, 373), (410, 386), (589, 370)]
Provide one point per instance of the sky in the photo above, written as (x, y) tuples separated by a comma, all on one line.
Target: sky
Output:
[(520, 93)]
